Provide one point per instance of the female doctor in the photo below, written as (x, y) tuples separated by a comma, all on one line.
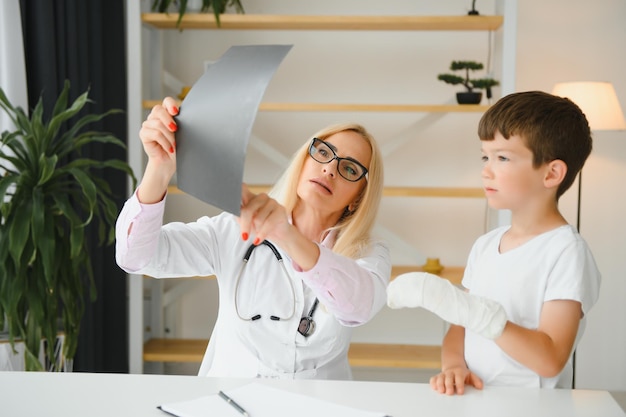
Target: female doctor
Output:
[(295, 272)]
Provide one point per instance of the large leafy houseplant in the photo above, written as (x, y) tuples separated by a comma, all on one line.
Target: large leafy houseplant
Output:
[(49, 194), (218, 7)]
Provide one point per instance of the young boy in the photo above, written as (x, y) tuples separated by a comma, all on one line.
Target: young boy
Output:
[(529, 285)]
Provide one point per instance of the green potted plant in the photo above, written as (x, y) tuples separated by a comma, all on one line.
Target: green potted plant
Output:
[(218, 7), (49, 195), (469, 96)]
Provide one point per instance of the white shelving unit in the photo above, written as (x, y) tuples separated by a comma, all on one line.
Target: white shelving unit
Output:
[(502, 24)]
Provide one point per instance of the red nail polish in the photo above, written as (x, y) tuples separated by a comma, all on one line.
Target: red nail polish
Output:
[(175, 109), (256, 241), (171, 149), (244, 236), (173, 127)]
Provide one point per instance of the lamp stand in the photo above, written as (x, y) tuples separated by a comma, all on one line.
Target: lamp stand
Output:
[(580, 188), (578, 204)]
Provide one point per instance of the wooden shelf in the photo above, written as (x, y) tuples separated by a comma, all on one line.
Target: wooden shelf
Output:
[(313, 22), (378, 355), (453, 192), (174, 350), (454, 274), (347, 107), (379, 108), (359, 355)]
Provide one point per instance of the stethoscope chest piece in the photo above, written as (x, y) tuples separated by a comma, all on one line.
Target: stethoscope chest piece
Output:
[(306, 327)]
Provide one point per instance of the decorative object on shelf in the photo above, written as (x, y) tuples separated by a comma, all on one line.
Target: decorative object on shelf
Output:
[(473, 12), (432, 266), (183, 92), (470, 96), (49, 194), (218, 7)]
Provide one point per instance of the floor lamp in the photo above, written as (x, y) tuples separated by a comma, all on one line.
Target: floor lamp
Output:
[(600, 104)]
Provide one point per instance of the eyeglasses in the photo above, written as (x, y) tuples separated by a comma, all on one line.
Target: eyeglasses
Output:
[(348, 168)]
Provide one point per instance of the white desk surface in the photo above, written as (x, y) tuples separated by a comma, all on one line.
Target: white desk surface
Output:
[(93, 395)]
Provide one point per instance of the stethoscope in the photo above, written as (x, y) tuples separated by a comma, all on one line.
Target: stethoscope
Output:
[(307, 324)]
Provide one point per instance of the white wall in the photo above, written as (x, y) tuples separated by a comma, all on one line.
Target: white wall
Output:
[(558, 40)]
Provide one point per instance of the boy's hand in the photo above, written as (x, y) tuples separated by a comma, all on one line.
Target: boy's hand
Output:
[(453, 381)]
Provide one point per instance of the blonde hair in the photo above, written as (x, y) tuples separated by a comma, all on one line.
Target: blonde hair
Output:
[(354, 227)]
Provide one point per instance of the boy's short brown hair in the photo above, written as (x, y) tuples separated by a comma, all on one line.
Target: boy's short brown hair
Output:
[(552, 127)]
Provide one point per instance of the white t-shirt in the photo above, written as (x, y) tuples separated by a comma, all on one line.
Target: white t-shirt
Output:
[(556, 265)]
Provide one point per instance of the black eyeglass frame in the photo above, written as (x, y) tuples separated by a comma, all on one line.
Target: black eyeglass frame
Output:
[(339, 159)]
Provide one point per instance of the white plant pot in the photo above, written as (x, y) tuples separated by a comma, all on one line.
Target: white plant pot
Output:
[(14, 361), (194, 6)]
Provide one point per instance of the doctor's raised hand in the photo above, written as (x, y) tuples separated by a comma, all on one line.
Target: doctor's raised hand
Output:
[(296, 271), (159, 143)]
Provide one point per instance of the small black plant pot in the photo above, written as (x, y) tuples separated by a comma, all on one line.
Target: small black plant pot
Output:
[(472, 97)]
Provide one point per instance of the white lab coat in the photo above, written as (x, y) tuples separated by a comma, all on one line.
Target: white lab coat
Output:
[(263, 347)]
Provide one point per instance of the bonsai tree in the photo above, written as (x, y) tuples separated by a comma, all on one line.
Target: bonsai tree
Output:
[(49, 195), (469, 83), (218, 7)]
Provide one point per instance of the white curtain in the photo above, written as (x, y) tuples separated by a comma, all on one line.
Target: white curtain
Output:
[(13, 83), (12, 67)]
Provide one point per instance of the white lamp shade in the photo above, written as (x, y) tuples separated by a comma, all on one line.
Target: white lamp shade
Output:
[(597, 100)]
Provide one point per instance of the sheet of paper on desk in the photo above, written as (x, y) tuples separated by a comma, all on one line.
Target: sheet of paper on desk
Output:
[(215, 121), (263, 401)]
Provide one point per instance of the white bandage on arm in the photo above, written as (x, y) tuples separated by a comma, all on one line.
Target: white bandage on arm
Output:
[(421, 289)]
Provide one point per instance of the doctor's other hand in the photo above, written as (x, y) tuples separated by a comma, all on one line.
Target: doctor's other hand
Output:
[(453, 381), (157, 135), (421, 289), (263, 217)]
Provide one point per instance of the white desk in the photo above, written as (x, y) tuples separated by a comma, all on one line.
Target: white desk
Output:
[(93, 395)]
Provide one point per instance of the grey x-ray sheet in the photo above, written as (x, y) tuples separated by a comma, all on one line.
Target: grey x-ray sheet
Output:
[(215, 121)]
